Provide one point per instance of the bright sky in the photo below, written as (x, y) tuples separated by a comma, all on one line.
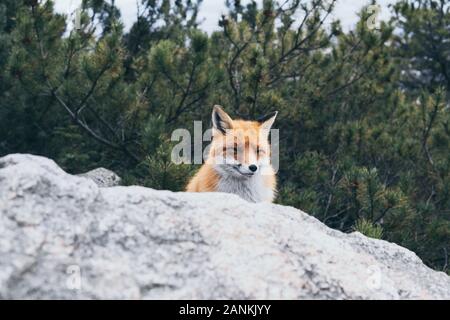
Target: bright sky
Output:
[(211, 11)]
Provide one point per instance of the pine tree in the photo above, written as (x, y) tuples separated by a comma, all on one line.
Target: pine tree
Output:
[(423, 47)]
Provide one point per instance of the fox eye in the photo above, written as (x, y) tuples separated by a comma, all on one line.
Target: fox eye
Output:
[(259, 151)]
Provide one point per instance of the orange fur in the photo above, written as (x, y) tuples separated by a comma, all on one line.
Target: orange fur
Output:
[(205, 180)]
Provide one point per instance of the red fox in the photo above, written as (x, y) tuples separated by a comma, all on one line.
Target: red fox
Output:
[(239, 159)]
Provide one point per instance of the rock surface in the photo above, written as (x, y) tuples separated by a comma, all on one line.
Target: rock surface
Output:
[(104, 178), (63, 237)]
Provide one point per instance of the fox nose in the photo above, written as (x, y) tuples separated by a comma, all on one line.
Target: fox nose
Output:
[(253, 168)]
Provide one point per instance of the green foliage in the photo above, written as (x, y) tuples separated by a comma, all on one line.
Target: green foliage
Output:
[(160, 172), (368, 229), (363, 115), (423, 46)]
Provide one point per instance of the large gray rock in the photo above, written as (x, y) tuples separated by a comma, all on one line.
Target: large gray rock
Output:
[(62, 236)]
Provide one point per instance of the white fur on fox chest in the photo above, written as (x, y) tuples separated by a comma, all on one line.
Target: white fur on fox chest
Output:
[(251, 189)]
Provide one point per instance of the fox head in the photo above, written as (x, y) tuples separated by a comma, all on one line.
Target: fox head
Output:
[(240, 148)]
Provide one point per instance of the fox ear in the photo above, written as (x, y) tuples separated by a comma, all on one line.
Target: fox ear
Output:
[(267, 121), (221, 120)]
